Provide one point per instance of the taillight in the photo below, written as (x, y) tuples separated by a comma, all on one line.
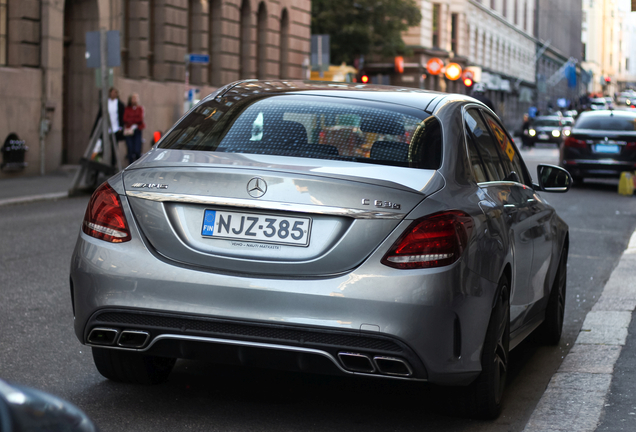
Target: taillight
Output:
[(575, 143), (631, 145), (433, 241), (104, 218)]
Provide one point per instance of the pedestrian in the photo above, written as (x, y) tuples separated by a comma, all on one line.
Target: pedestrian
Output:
[(525, 136), (133, 125), (116, 116), (479, 93), (116, 113)]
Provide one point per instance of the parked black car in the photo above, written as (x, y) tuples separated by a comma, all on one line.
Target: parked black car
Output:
[(601, 144)]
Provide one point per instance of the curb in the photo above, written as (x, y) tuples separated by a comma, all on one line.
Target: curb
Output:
[(33, 198), (576, 394)]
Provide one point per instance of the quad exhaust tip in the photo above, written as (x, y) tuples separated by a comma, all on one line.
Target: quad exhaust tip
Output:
[(133, 339), (103, 336), (392, 366), (356, 362)]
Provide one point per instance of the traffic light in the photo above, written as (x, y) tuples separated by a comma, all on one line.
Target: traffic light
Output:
[(468, 78), (364, 79)]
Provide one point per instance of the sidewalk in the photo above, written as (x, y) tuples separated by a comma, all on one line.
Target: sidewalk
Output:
[(592, 388), (28, 189)]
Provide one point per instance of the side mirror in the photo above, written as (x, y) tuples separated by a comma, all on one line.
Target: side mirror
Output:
[(553, 178)]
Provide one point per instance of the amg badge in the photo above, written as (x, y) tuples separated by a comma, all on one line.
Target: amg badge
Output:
[(150, 185)]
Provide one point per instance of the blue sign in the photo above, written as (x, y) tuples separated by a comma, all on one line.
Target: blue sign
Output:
[(198, 58), (570, 74)]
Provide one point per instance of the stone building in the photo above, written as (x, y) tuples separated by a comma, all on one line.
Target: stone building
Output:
[(43, 72)]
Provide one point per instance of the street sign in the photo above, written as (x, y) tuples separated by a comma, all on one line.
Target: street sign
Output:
[(198, 58), (113, 56), (320, 52)]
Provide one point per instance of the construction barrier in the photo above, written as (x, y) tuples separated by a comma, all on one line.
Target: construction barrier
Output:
[(626, 183)]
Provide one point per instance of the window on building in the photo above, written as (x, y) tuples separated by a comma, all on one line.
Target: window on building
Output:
[(261, 50), (3, 32), (525, 16), (492, 4), (125, 37), (246, 41), (214, 42), (583, 53), (152, 49), (436, 24), (284, 44), (454, 32), (516, 18), (505, 8), (626, 64)]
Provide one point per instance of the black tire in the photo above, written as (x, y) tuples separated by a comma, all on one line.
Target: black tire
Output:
[(482, 399), (549, 332), (132, 367)]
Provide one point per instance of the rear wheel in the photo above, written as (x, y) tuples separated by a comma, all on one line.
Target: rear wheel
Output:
[(132, 367), (483, 398), (549, 332)]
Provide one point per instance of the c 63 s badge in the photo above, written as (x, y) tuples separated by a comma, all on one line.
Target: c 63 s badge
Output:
[(381, 204), (149, 185)]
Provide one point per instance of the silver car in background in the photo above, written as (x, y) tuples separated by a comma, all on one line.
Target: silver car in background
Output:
[(369, 231)]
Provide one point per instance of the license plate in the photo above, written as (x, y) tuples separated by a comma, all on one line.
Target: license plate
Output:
[(543, 136), (256, 227), (604, 148)]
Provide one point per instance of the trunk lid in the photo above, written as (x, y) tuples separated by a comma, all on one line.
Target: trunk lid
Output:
[(314, 218), (616, 145)]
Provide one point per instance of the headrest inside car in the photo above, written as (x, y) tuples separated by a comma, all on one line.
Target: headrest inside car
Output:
[(384, 126)]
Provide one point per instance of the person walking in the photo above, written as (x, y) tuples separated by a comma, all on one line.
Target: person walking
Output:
[(133, 125), (525, 136), (116, 110)]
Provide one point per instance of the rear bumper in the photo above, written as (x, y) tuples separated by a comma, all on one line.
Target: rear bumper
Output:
[(597, 168), (421, 317)]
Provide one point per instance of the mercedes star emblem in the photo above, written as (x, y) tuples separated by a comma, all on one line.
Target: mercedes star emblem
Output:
[(256, 187)]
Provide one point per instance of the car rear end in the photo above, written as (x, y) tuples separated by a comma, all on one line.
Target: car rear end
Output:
[(601, 144), (258, 232)]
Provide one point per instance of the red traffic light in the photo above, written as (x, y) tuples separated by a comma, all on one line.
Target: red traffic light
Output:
[(399, 64), (364, 79), (468, 82)]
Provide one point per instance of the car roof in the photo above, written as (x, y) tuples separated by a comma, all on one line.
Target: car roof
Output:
[(411, 97), (599, 113)]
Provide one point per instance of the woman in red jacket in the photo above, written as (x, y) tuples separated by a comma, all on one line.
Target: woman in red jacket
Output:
[(133, 125)]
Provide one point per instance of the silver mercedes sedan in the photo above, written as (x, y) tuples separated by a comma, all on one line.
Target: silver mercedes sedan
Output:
[(359, 230)]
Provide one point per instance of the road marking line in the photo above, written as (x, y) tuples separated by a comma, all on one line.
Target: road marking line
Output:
[(32, 198), (594, 231)]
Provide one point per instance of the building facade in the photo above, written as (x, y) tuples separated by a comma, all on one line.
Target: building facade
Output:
[(494, 35), (609, 45), (49, 98), (557, 26)]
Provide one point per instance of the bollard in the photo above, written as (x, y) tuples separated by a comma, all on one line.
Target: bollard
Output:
[(626, 183)]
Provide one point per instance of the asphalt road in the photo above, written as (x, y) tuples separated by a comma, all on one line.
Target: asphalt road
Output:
[(38, 347)]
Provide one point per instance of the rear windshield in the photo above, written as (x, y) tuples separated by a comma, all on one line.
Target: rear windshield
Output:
[(607, 122), (312, 127), (547, 122)]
